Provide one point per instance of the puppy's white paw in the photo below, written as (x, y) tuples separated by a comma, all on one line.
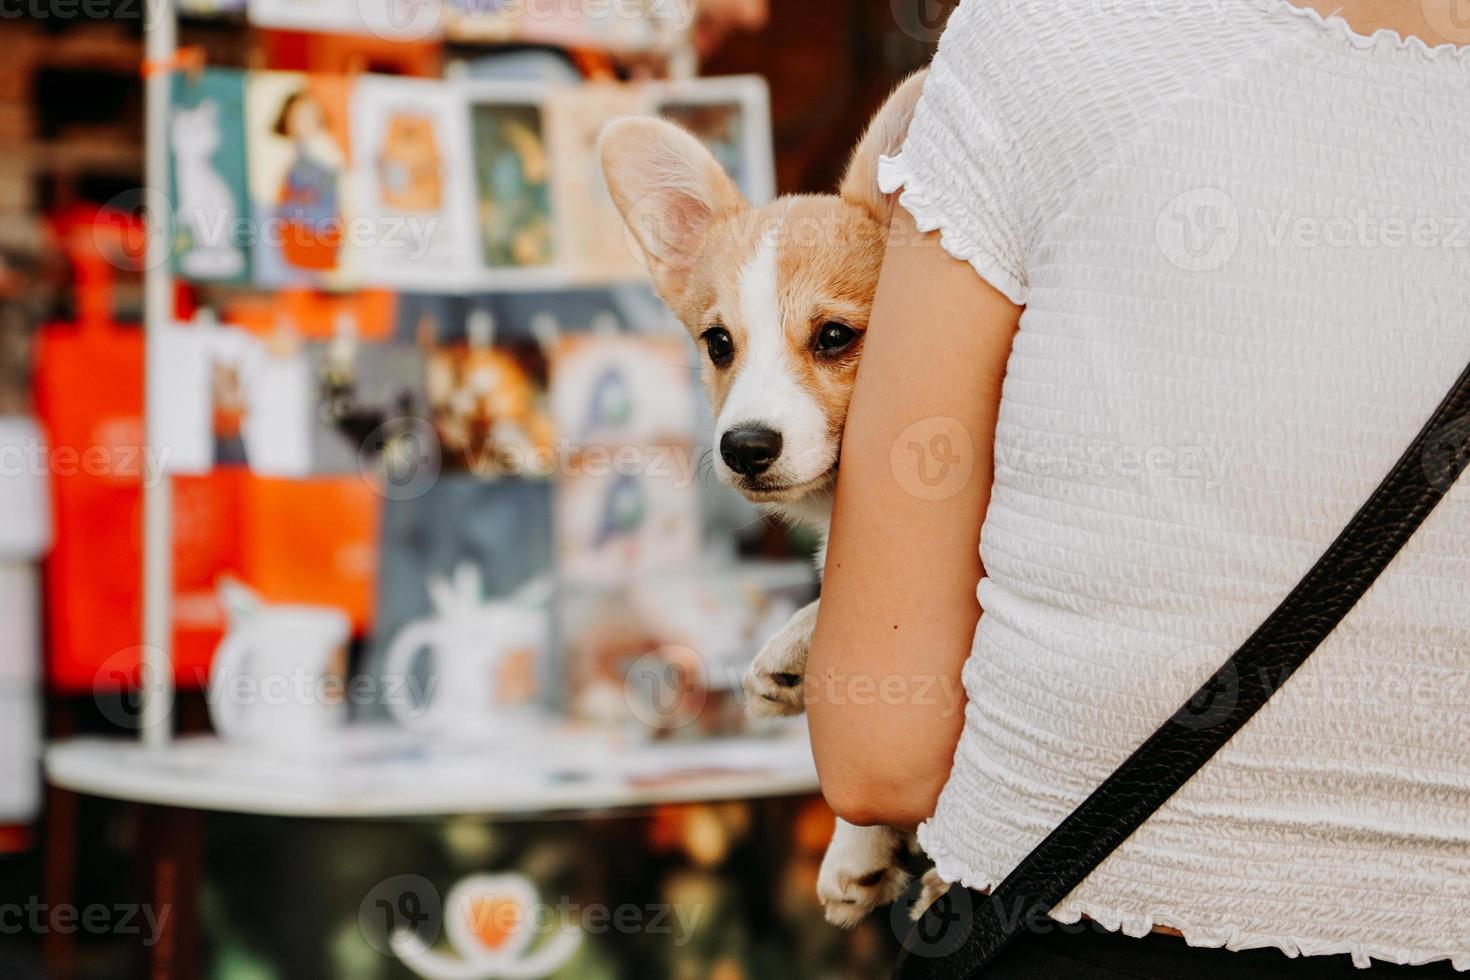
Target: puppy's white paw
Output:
[(860, 873), (849, 901), (931, 887), (773, 680), (774, 691)]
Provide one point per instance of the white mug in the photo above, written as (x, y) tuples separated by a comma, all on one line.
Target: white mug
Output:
[(277, 676), (466, 641)]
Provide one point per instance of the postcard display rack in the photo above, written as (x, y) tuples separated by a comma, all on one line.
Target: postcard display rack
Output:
[(324, 192)]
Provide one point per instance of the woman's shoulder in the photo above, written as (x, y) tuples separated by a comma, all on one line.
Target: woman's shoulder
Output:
[(1129, 25), (1109, 56), (1026, 98)]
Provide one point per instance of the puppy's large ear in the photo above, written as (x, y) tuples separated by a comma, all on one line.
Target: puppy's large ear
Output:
[(669, 189), (884, 137)]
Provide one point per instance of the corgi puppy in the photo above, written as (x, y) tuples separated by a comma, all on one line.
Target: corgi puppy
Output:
[(777, 299)]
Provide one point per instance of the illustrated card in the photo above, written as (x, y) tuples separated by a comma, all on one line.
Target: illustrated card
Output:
[(629, 25), (206, 139), (590, 230), (622, 389), (623, 514), (731, 115), (210, 8), (413, 180), (391, 20), (488, 408), (300, 182), (512, 162)]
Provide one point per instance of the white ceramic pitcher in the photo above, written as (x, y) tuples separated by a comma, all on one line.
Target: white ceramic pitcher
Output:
[(277, 676), (468, 641)]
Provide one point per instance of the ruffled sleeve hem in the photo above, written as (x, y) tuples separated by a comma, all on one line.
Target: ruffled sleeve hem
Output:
[(894, 174)]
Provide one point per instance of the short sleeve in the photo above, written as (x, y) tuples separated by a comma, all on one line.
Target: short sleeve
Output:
[(957, 169), (1024, 101)]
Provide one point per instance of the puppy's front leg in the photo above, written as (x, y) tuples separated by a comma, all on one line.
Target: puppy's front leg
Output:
[(860, 872), (773, 680)]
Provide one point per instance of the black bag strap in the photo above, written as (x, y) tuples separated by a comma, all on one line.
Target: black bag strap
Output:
[(950, 943)]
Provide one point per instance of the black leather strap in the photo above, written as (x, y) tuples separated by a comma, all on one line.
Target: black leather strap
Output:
[(953, 942)]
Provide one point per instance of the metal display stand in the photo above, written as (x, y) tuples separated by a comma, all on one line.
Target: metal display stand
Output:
[(157, 676), (177, 780), (156, 680)]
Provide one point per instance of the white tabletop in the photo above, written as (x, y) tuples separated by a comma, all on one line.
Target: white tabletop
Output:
[(385, 773)]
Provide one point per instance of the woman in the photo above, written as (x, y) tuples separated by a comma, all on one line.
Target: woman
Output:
[(1205, 271)]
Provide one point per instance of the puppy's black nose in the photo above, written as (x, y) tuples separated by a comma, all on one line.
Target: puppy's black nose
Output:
[(750, 449)]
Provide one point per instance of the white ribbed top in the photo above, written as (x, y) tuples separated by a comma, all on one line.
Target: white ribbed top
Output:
[(1242, 235)]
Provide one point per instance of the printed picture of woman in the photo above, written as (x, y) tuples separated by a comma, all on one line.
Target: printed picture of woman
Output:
[(308, 201)]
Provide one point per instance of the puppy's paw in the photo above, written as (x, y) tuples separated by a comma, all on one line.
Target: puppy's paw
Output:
[(772, 693), (773, 680), (860, 873), (848, 900), (931, 888)]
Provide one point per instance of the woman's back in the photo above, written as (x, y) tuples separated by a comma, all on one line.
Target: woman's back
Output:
[(1242, 236)]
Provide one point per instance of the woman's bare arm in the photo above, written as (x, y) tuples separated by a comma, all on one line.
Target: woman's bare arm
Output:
[(898, 597)]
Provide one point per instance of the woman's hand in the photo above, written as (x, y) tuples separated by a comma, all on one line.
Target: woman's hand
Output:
[(898, 608)]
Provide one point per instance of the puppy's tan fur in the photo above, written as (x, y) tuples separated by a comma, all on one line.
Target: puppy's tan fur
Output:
[(773, 277)]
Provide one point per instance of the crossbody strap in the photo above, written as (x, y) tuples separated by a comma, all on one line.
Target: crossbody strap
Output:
[(1181, 745)]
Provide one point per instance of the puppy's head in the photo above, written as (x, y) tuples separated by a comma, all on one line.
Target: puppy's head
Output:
[(776, 297)]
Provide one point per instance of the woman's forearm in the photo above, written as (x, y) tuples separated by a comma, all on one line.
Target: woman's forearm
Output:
[(898, 607)]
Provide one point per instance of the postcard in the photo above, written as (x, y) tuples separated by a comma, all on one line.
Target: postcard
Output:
[(300, 186), (206, 139), (590, 231), (732, 117), (630, 25), (488, 406), (623, 389), (624, 513), (391, 20), (210, 8), (512, 165), (413, 183)]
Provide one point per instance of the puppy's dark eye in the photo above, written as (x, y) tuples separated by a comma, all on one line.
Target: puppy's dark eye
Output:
[(834, 337), (719, 346)]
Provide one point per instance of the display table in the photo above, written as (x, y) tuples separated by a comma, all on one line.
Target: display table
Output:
[(554, 774), (383, 773)]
